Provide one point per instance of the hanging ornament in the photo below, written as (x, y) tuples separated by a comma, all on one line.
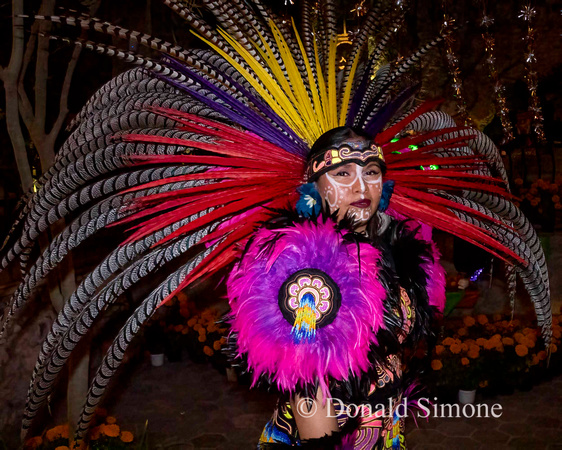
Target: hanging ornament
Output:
[(360, 9), (527, 13), (499, 90), (447, 29)]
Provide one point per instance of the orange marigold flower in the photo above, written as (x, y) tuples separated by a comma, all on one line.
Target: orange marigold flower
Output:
[(208, 350), (534, 360), (496, 338), (557, 333), (436, 364), (497, 317), (473, 354), (217, 345), (439, 349), (202, 338), (468, 321), (521, 350), (518, 181), (64, 430), (507, 341), (553, 348), (178, 328), (448, 341), (558, 206), (111, 430), (181, 297), (222, 340), (62, 447), (499, 348), (462, 332), (464, 347), (191, 322), (110, 420), (126, 436), (529, 343), (33, 443), (555, 198), (211, 328), (483, 384), (542, 355), (197, 326), (481, 342), (52, 434), (489, 344), (482, 319), (465, 361), (455, 348), (518, 337)]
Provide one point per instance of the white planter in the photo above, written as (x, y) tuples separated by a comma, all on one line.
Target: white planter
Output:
[(157, 360), (231, 375), (467, 397)]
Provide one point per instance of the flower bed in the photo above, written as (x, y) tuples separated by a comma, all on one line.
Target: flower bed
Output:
[(105, 434), (182, 326), (494, 354)]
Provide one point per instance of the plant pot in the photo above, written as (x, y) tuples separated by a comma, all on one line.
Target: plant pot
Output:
[(467, 397), (157, 359)]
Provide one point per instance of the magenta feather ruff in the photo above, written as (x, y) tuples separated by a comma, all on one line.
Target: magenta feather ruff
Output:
[(436, 282), (264, 335)]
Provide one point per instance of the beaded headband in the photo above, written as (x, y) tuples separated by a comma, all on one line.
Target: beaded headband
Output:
[(344, 154)]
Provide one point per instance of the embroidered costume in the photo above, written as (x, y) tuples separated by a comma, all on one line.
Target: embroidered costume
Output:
[(193, 153)]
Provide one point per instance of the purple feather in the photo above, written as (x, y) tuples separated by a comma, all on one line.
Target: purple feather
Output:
[(264, 335), (381, 118), (245, 115)]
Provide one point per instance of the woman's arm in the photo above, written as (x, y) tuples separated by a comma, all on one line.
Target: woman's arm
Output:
[(315, 421)]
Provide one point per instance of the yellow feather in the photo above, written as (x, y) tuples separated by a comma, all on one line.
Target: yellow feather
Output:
[(347, 93), (304, 105), (313, 87), (271, 92)]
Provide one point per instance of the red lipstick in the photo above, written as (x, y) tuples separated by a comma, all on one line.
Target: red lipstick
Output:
[(365, 203)]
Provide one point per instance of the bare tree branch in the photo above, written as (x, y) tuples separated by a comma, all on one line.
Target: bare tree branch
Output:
[(10, 77), (63, 103), (26, 108)]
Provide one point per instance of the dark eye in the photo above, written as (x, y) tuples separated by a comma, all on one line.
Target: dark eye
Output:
[(342, 173), (373, 171)]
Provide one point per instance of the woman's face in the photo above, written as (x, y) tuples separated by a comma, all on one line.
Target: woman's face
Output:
[(352, 189)]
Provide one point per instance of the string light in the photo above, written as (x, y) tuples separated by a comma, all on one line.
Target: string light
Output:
[(447, 29), (489, 43), (527, 13), (476, 274)]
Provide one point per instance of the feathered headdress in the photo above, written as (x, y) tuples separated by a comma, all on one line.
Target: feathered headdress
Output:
[(202, 138)]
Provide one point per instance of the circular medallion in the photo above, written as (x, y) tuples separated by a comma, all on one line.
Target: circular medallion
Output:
[(327, 297)]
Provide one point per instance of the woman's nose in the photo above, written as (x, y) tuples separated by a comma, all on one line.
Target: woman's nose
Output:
[(359, 186)]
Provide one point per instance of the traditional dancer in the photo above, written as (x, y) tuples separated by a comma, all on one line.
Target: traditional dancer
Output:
[(200, 151)]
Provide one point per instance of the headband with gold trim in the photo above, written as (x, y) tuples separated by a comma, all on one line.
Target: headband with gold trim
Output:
[(344, 154)]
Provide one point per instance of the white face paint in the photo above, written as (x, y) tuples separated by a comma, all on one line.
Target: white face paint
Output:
[(352, 189)]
